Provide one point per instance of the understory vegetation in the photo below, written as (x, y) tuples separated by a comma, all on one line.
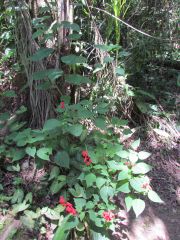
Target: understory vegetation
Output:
[(83, 84)]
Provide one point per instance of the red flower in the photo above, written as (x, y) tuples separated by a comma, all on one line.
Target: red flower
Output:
[(84, 154), (87, 160), (70, 209), (62, 105), (62, 201), (108, 216)]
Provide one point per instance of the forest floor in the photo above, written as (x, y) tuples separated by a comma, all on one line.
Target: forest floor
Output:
[(161, 221)]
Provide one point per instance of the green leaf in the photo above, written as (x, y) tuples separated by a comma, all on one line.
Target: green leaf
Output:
[(74, 36), (61, 233), (56, 186), (73, 59), (20, 207), (77, 79), (124, 188), (106, 192), (18, 154), (107, 48), (31, 151), (76, 130), (90, 179), (123, 175), (50, 213), (143, 155), (108, 59), (44, 153), (100, 181), (153, 196), (28, 197), (41, 53), (51, 124), (69, 25), (62, 159), (136, 184), (138, 206), (120, 71), (51, 74), (141, 168), (128, 202), (4, 116), (79, 203), (100, 123), (123, 154), (135, 144), (54, 173), (10, 93), (17, 196)]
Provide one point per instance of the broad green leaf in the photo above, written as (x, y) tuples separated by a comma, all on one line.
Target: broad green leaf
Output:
[(18, 155), (17, 196), (123, 154), (29, 197), (37, 34), (135, 144), (76, 130), (100, 181), (61, 233), (20, 207), (120, 71), (124, 188), (108, 59), (128, 202), (74, 36), (31, 151), (106, 192), (77, 79), (113, 165), (54, 173), (51, 74), (90, 179), (141, 168), (41, 53), (79, 203), (69, 25), (4, 116), (73, 59), (124, 174), (100, 123), (56, 186), (133, 156), (44, 153), (143, 155), (51, 214), (51, 124), (137, 183), (107, 48), (10, 93), (153, 196), (138, 206), (62, 159)]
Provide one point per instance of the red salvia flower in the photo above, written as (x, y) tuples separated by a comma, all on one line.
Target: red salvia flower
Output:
[(69, 207), (108, 216), (62, 201), (62, 105), (87, 159), (84, 154)]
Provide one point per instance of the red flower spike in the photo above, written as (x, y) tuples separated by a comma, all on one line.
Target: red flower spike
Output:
[(62, 201), (87, 160), (108, 216), (84, 154), (71, 210), (62, 105)]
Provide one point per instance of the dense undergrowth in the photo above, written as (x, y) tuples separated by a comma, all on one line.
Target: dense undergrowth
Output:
[(62, 179)]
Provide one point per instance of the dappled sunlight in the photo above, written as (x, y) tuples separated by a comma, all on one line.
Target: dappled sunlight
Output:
[(148, 227)]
